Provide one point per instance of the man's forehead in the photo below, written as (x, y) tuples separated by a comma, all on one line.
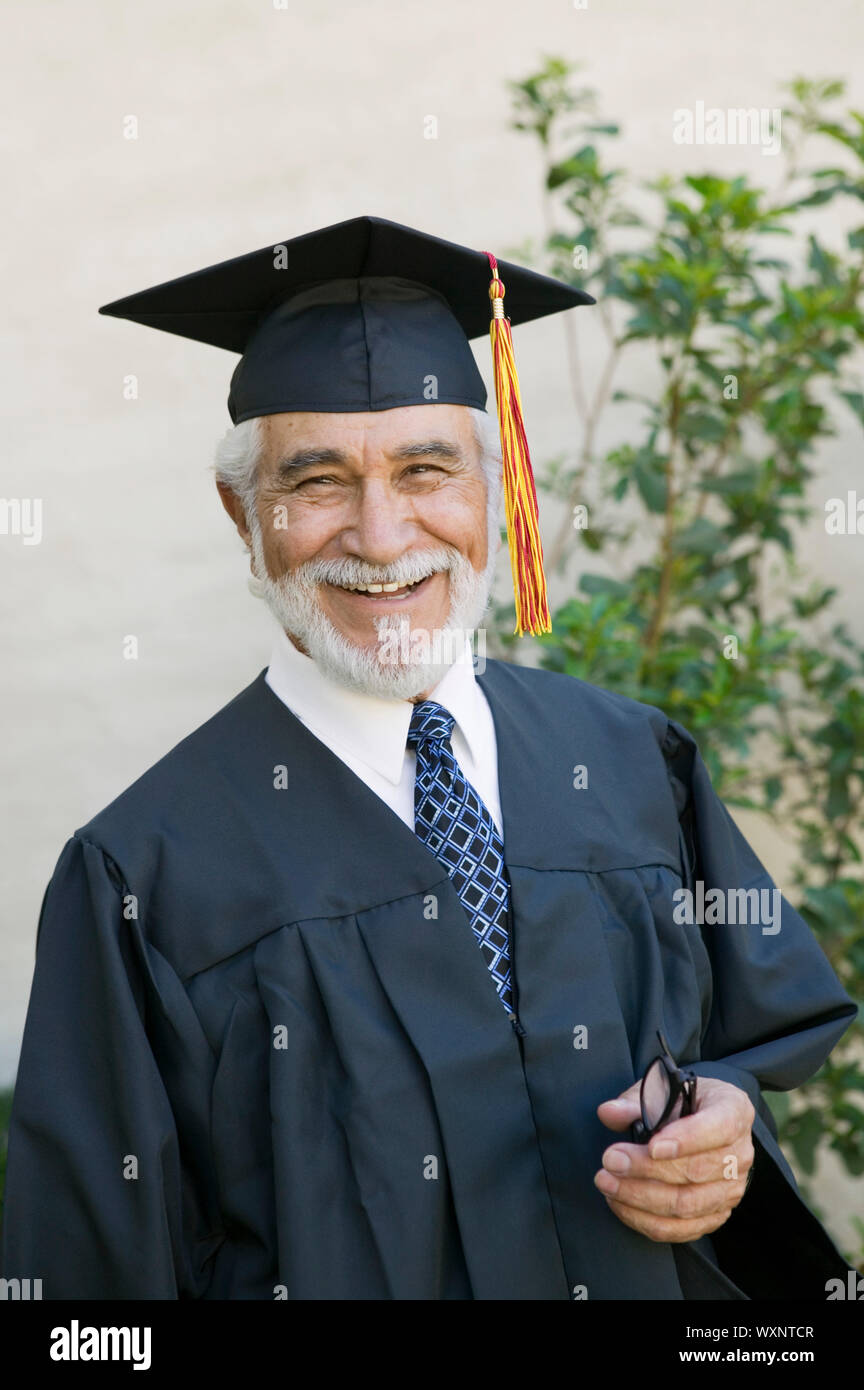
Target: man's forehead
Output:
[(382, 430)]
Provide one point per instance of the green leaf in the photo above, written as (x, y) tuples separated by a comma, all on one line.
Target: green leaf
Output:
[(708, 590), (823, 263), (701, 536), (601, 584), (837, 805), (651, 482), (778, 1104), (804, 1138), (732, 483), (699, 424)]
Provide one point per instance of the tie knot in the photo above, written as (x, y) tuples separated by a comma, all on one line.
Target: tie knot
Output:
[(430, 723)]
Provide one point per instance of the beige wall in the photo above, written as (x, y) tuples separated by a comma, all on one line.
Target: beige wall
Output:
[(256, 124)]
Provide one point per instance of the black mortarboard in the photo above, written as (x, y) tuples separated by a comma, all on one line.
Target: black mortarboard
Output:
[(363, 315)]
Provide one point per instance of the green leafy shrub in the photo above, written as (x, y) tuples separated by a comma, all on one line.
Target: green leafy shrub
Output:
[(701, 604)]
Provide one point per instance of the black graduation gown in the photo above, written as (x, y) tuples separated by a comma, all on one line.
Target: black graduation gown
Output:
[(264, 1057)]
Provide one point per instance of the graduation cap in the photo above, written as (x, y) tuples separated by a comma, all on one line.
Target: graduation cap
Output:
[(370, 315)]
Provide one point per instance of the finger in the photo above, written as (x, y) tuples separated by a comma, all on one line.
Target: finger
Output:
[(720, 1120), (667, 1229), (634, 1160), (618, 1114), (686, 1203)]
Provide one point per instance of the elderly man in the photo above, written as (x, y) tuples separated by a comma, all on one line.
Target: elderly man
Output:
[(350, 994)]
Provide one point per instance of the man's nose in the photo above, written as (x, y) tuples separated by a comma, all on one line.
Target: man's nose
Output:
[(382, 525)]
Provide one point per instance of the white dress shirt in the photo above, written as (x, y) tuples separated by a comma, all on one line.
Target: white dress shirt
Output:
[(369, 733)]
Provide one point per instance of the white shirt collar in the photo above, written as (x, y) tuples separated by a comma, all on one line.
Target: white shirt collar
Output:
[(370, 728)]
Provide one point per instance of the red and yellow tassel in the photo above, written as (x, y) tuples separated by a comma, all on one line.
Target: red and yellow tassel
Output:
[(520, 494)]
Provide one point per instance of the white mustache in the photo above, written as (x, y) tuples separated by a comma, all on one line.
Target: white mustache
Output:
[(408, 569)]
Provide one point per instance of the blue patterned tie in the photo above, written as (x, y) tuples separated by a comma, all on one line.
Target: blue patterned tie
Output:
[(453, 822)]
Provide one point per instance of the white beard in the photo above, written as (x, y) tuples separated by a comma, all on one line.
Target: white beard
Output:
[(392, 669)]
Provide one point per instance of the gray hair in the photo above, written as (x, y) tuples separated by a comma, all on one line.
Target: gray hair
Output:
[(239, 453)]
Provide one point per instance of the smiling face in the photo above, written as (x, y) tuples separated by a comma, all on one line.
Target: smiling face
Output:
[(366, 522)]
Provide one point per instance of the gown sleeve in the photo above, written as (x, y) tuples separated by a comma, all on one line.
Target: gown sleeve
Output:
[(100, 1202), (777, 1011)]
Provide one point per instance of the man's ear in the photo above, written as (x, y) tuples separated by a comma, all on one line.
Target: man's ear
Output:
[(235, 509)]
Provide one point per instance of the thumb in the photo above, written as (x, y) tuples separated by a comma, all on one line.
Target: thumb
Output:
[(619, 1114)]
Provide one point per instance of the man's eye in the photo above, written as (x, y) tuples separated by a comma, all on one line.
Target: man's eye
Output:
[(323, 479)]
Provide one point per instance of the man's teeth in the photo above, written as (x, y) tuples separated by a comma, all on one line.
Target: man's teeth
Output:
[(378, 588)]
